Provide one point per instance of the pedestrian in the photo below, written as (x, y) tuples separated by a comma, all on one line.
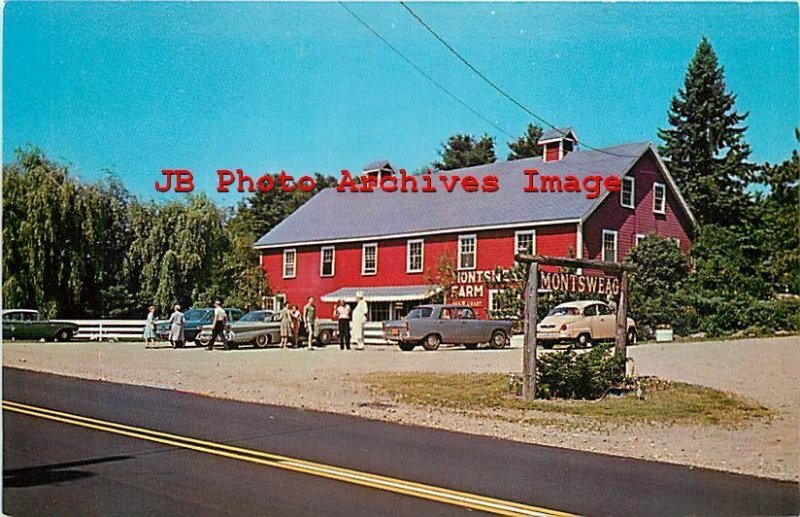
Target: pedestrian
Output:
[(286, 326), (360, 316), (176, 328), (611, 303), (220, 320), (150, 328), (310, 320), (296, 319), (342, 315)]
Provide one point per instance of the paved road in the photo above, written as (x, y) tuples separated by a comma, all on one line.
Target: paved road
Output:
[(54, 467)]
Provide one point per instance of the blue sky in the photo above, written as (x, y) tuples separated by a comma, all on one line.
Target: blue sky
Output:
[(303, 87)]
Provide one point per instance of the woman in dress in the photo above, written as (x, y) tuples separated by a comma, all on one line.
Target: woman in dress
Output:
[(176, 324), (286, 326), (150, 328), (296, 317)]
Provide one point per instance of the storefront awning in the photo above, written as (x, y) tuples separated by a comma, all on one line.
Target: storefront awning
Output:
[(403, 293)]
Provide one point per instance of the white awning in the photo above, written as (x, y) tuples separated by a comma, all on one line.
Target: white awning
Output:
[(403, 293)]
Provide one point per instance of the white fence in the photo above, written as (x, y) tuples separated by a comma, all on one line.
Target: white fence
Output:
[(132, 330)]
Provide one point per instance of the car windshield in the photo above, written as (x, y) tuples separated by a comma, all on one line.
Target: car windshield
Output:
[(256, 316), (420, 312), (197, 314), (564, 311)]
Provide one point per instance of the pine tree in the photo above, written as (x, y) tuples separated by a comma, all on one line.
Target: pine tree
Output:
[(705, 145), (464, 150), (526, 146)]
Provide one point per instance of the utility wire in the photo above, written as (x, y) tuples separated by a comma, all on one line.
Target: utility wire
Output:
[(425, 74), (494, 85)]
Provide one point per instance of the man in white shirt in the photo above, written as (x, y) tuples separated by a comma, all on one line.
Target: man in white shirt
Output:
[(220, 319)]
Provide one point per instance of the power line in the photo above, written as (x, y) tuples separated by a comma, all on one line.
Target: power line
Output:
[(425, 74), (494, 85)]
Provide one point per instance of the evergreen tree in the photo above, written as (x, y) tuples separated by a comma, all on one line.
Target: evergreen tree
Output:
[(526, 145), (705, 144), (464, 150)]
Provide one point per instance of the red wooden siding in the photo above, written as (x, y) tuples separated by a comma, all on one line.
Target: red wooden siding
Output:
[(551, 152)]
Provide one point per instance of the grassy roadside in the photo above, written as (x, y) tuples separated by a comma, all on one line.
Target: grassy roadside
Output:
[(486, 395)]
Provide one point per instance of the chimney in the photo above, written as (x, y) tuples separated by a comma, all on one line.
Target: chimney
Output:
[(557, 143)]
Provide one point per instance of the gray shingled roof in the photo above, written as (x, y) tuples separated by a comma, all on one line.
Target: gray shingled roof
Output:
[(332, 215), (552, 134)]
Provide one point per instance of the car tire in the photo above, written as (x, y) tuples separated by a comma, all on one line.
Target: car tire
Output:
[(406, 346), (64, 335), (499, 340), (431, 342), (584, 340), (261, 341), (471, 346), (325, 337), (631, 337)]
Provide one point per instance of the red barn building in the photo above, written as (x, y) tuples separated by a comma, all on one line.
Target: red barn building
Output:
[(389, 244)]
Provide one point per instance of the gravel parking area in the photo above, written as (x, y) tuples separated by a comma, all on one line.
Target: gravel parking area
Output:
[(329, 380)]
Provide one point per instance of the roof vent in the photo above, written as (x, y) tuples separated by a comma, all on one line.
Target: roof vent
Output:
[(379, 168), (557, 143)]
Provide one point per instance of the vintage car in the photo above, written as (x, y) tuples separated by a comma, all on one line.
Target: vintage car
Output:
[(195, 319), (29, 324), (432, 325), (263, 328), (583, 322)]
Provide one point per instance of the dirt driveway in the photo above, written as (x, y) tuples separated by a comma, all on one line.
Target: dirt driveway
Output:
[(328, 380)]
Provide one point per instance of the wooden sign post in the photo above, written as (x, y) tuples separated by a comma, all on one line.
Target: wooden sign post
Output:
[(531, 294)]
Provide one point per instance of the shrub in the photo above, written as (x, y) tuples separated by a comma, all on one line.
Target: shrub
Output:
[(579, 376)]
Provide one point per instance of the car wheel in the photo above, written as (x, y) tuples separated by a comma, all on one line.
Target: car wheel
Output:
[(631, 337), (261, 341), (431, 342), (406, 346), (471, 346), (324, 338), (499, 339), (64, 335), (584, 340)]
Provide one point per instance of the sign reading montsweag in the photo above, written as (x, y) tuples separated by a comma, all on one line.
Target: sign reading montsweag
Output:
[(578, 283)]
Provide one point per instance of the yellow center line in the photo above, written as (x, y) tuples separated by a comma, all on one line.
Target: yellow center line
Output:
[(395, 485)]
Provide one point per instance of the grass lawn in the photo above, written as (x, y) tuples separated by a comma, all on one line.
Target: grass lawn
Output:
[(487, 394)]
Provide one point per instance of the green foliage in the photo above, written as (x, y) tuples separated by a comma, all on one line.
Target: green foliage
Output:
[(578, 376), (705, 144), (463, 150), (526, 145)]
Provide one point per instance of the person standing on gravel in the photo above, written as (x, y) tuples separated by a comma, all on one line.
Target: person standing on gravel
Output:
[(342, 315), (220, 319), (286, 325), (176, 323), (310, 321), (150, 327), (360, 316)]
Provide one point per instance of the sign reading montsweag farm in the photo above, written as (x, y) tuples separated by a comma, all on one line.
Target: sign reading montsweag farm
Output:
[(578, 283)]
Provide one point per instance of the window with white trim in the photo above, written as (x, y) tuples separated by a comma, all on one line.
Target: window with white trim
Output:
[(494, 300), (369, 259), (627, 195), (659, 198), (525, 242), (640, 237), (327, 261), (609, 246), (467, 251), (415, 254), (289, 263)]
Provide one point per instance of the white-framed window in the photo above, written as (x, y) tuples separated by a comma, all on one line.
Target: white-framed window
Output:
[(327, 261), (627, 197), (467, 251), (289, 263), (659, 198), (525, 242), (415, 255), (369, 259), (609, 246), (493, 299), (640, 237)]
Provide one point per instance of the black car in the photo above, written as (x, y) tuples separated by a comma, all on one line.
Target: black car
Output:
[(195, 319)]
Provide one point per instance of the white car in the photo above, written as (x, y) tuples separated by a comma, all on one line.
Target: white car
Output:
[(583, 322)]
